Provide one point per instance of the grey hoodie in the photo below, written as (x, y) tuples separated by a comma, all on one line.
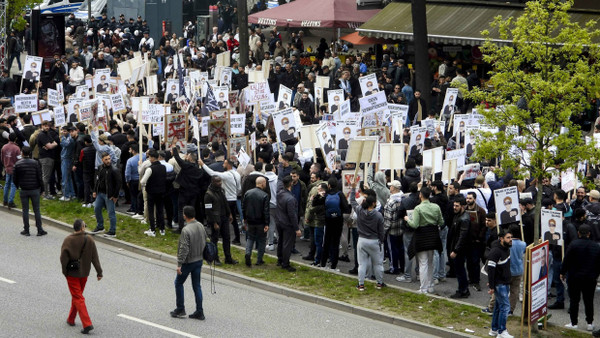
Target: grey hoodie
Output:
[(272, 177), (379, 186), (369, 223)]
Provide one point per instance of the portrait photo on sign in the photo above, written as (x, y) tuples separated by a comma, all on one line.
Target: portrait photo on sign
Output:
[(368, 84), (539, 265), (285, 125), (449, 103), (234, 144), (172, 91), (507, 205), (345, 131), (417, 141), (284, 99), (32, 68), (101, 78), (222, 96), (334, 99), (552, 227)]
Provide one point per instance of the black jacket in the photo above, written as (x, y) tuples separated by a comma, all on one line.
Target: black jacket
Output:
[(498, 265), (28, 175), (215, 204), (189, 176), (411, 175), (255, 207), (112, 177), (286, 215), (582, 260), (459, 233), (157, 183), (88, 159)]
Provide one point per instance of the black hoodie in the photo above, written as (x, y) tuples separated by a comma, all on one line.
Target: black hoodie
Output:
[(498, 265)]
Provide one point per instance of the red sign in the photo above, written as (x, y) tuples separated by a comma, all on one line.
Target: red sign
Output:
[(538, 281)]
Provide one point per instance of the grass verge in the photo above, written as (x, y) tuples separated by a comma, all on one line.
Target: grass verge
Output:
[(421, 308)]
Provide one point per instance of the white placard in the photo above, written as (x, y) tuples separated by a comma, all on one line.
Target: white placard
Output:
[(59, 116), (26, 103), (154, 114), (257, 92), (238, 124), (53, 99)]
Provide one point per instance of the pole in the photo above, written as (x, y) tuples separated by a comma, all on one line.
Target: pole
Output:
[(242, 6), (422, 73), (89, 3)]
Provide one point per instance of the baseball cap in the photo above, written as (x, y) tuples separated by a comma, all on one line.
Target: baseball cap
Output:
[(595, 194), (396, 184)]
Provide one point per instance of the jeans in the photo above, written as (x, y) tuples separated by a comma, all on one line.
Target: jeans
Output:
[(272, 226), (103, 201), (554, 277), (319, 232), (47, 170), (12, 57), (370, 254), (256, 233), (34, 196), (501, 308), (439, 260), (408, 263), (195, 269), (134, 191), (461, 273), (76, 287), (425, 259), (9, 185), (67, 180)]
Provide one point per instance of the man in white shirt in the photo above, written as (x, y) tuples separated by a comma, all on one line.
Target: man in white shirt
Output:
[(147, 41), (232, 184), (76, 76)]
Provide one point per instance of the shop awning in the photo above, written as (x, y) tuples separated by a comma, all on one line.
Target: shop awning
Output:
[(315, 14), (448, 23), (356, 39)]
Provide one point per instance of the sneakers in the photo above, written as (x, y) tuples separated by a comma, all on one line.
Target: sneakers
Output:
[(64, 199), (87, 329), (150, 233), (504, 334), (436, 281), (110, 234), (138, 216), (162, 232), (380, 286), (270, 247), (308, 258), (403, 279), (489, 313), (42, 233), (11, 205), (360, 287), (197, 315), (476, 286), (492, 333), (571, 326), (25, 233), (98, 230), (130, 212), (87, 205), (590, 327), (178, 313)]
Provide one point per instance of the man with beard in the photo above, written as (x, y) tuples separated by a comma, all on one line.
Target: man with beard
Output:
[(580, 201), (499, 282), (459, 245), (477, 235)]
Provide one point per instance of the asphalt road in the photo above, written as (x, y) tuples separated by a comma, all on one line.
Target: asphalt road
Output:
[(136, 294)]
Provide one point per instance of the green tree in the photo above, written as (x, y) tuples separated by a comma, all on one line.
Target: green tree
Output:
[(17, 8), (546, 74)]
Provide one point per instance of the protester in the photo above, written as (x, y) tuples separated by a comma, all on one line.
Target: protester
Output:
[(28, 178), (81, 248), (499, 283), (189, 261)]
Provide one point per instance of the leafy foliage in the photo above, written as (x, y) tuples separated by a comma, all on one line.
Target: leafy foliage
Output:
[(18, 7), (545, 73)]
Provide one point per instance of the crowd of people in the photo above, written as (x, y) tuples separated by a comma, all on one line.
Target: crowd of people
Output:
[(403, 219)]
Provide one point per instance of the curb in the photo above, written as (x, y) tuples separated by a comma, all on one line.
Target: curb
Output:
[(267, 286)]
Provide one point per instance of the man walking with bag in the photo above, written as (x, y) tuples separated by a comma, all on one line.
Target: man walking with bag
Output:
[(77, 254), (189, 261)]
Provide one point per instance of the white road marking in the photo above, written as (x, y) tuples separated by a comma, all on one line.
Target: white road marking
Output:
[(7, 281), (145, 322)]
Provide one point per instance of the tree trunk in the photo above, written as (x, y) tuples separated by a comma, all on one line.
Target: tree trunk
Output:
[(538, 207), (242, 6), (422, 73)]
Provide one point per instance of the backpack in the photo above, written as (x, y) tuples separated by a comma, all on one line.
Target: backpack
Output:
[(18, 45), (210, 253), (332, 205)]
